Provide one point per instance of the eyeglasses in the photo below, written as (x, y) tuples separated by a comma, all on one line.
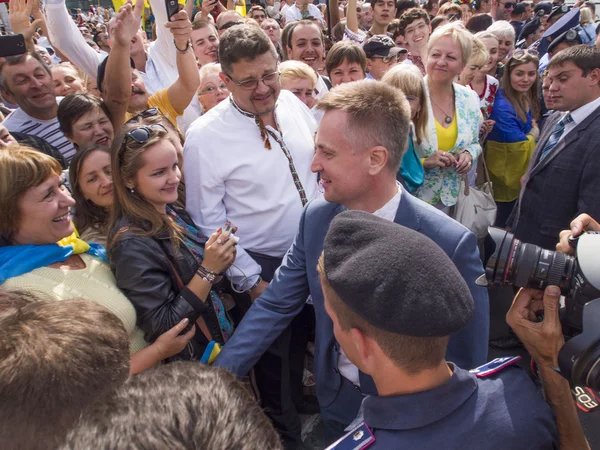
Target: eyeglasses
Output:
[(150, 112), (388, 59), (227, 25), (269, 79), (213, 89), (508, 5), (453, 17)]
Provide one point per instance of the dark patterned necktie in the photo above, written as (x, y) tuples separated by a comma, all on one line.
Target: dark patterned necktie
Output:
[(559, 130), (264, 134)]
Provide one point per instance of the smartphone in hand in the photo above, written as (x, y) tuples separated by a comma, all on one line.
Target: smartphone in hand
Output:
[(172, 8)]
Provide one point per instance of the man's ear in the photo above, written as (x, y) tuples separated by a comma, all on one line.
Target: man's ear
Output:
[(594, 76), (378, 158), (6, 95)]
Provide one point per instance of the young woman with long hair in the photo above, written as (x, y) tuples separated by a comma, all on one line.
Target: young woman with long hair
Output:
[(163, 264), (511, 142)]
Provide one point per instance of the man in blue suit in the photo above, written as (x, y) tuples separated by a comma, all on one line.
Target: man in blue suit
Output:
[(359, 146)]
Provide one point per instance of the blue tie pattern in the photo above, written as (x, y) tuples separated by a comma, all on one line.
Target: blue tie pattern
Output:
[(556, 135)]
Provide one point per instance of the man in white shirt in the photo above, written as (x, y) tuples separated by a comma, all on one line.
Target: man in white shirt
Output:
[(25, 80), (305, 44), (247, 161), (302, 9)]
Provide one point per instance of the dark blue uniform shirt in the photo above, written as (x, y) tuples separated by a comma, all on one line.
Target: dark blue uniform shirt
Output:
[(502, 411)]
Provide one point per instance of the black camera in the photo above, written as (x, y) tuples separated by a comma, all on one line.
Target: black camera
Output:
[(508, 261)]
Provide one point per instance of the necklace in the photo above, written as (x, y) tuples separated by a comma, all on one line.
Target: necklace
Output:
[(448, 118)]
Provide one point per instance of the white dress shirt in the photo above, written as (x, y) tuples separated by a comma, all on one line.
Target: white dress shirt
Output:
[(388, 212), (293, 13), (580, 114), (231, 176)]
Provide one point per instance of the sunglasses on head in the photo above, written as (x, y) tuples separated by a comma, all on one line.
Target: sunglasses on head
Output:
[(521, 52), (150, 112), (141, 135)]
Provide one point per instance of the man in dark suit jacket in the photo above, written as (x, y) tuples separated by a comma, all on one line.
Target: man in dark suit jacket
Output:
[(563, 178), (360, 143)]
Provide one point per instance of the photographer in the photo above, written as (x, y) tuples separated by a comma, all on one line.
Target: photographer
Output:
[(543, 340)]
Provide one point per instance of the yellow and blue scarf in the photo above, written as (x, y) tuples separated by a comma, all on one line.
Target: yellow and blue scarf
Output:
[(17, 260)]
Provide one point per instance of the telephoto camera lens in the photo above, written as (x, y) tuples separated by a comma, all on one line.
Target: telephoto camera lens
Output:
[(512, 262)]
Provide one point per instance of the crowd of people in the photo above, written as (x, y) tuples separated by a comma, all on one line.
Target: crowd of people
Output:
[(270, 191)]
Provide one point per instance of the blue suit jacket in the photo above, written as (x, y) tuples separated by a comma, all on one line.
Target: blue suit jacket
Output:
[(297, 277)]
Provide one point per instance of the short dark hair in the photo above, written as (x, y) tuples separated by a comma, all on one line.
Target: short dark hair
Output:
[(178, 405), (590, 5), (243, 42), (479, 22), (299, 23), (410, 16), (404, 5), (345, 51), (74, 106), (19, 59), (586, 57), (478, 4), (56, 359)]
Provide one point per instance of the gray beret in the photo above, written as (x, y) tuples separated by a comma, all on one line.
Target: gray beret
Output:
[(395, 278)]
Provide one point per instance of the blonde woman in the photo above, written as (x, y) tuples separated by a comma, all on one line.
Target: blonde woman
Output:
[(505, 33), (479, 58), (485, 85), (212, 89), (452, 143), (408, 79), (300, 79)]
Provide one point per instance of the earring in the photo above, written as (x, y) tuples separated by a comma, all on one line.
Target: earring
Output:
[(132, 190)]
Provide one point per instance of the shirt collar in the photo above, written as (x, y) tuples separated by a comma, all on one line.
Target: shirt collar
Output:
[(405, 412), (389, 210), (580, 114)]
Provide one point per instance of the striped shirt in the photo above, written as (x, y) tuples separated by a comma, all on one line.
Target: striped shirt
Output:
[(48, 130)]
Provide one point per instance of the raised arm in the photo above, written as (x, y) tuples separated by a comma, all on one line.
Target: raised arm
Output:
[(66, 38), (334, 12), (18, 16), (351, 16), (184, 89), (116, 88)]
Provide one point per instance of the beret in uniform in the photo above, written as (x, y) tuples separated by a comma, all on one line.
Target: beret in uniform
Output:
[(395, 278)]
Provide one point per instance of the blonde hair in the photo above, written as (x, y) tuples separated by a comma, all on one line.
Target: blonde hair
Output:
[(459, 34), (21, 168), (209, 69), (486, 35), (408, 79), (293, 70), (585, 16), (480, 55), (502, 30)]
